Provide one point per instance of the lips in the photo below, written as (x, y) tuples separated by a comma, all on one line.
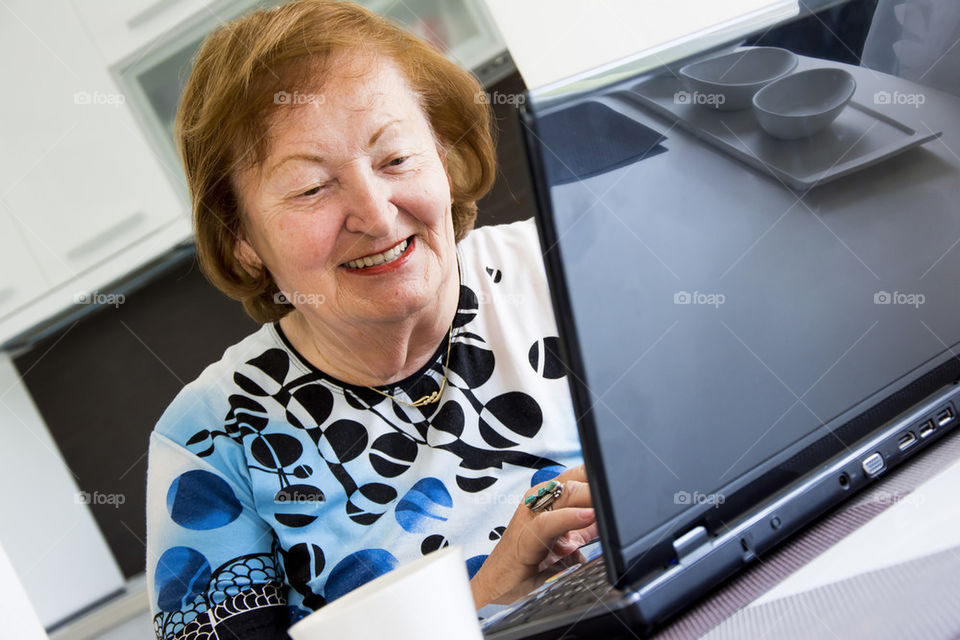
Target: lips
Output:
[(377, 259)]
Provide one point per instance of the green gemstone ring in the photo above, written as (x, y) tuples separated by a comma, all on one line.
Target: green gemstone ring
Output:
[(544, 498)]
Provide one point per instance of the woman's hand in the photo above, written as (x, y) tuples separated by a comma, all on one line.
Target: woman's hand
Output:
[(532, 542)]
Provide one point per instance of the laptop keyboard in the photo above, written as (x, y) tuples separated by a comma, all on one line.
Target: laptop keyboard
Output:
[(582, 587)]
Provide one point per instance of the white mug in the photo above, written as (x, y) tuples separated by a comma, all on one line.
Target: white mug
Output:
[(427, 599)]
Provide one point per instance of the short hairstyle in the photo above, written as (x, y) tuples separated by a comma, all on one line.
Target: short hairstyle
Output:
[(223, 118)]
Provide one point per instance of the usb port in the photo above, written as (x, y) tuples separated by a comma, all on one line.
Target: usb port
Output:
[(907, 440), (945, 416), (926, 429)]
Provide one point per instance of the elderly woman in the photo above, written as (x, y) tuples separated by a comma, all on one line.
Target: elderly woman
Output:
[(403, 392)]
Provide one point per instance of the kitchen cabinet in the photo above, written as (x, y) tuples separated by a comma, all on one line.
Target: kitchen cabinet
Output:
[(462, 29), (88, 168), (122, 28), (152, 78), (77, 172), (127, 30), (21, 279)]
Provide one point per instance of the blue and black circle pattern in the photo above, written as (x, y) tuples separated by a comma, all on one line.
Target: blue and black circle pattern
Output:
[(321, 434)]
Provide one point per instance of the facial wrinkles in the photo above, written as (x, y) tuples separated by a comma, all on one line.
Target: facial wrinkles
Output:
[(341, 140)]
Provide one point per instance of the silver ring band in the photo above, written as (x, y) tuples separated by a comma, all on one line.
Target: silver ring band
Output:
[(544, 498)]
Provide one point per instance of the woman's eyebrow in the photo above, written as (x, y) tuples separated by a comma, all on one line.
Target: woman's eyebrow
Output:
[(316, 159), (309, 157), (379, 132)]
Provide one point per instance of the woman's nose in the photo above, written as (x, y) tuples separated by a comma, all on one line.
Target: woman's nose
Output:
[(369, 206)]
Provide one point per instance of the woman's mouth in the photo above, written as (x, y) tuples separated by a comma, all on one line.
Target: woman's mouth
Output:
[(391, 255)]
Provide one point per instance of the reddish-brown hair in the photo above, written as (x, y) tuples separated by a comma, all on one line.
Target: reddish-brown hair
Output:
[(222, 123)]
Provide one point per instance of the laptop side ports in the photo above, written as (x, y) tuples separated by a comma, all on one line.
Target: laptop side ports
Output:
[(945, 416), (906, 441)]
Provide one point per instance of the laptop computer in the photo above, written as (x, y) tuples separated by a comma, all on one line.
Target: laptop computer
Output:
[(754, 329)]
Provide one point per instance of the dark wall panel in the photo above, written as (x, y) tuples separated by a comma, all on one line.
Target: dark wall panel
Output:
[(102, 383)]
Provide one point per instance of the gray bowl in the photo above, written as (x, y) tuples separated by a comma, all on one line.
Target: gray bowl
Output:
[(728, 82), (803, 104)]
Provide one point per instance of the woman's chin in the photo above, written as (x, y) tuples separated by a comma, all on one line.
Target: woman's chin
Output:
[(395, 298), (401, 308)]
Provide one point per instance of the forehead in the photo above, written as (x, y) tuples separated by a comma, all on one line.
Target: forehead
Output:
[(359, 92)]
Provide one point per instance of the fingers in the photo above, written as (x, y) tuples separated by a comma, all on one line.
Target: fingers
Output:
[(571, 512), (572, 540), (550, 525), (589, 534), (555, 562), (578, 473), (530, 538), (575, 494)]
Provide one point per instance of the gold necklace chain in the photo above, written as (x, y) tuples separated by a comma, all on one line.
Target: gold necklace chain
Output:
[(432, 397)]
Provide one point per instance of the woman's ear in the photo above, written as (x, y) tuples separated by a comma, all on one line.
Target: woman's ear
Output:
[(443, 153), (247, 256), (243, 251)]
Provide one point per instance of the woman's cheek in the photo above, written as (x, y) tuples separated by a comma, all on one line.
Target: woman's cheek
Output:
[(309, 227), (438, 196)]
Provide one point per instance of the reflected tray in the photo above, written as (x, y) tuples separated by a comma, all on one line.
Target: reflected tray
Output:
[(858, 138)]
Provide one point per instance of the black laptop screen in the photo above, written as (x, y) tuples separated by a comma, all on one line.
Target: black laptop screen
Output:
[(727, 294)]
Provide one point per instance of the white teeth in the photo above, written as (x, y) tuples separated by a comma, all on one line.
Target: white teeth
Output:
[(381, 258)]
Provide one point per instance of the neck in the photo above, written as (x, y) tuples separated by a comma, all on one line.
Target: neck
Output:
[(373, 354)]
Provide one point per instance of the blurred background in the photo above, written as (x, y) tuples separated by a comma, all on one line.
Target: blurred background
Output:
[(104, 314)]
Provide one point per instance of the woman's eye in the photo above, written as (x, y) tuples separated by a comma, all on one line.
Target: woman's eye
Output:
[(396, 162), (311, 192)]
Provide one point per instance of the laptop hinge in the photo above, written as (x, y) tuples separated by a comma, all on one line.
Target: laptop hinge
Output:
[(692, 544)]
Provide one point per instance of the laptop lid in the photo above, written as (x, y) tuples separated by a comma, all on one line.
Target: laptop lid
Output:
[(736, 310)]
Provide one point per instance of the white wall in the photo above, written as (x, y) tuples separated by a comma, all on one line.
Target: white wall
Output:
[(51, 539), (17, 618)]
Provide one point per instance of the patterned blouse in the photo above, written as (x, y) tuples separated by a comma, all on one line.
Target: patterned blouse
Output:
[(274, 488)]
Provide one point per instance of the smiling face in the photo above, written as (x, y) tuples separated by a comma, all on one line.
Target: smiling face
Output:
[(350, 211)]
